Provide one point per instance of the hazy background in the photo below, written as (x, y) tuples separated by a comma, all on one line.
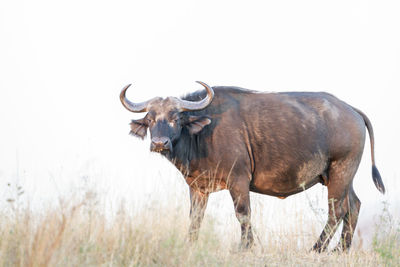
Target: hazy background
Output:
[(63, 64)]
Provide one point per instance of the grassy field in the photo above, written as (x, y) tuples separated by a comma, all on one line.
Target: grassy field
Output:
[(79, 232)]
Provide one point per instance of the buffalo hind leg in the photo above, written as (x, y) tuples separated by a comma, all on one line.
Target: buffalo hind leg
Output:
[(198, 204), (241, 199), (341, 174), (334, 218), (349, 221)]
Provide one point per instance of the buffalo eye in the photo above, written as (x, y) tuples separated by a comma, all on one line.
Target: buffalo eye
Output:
[(174, 119), (149, 120), (173, 122)]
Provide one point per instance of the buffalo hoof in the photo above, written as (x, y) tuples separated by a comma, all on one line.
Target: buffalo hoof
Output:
[(245, 246), (318, 249), (340, 249)]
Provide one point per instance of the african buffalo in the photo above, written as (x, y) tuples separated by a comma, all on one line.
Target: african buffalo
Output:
[(277, 144)]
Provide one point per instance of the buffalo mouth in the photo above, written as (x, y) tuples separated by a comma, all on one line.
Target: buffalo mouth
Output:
[(161, 145), (161, 150)]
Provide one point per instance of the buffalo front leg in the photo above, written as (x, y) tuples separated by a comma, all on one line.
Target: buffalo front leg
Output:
[(198, 204), (241, 200)]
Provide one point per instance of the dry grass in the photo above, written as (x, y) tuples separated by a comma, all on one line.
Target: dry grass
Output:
[(78, 233)]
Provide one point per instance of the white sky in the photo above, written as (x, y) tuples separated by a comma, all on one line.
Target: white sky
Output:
[(63, 64)]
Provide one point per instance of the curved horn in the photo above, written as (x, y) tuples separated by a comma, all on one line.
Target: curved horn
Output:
[(134, 107), (190, 105)]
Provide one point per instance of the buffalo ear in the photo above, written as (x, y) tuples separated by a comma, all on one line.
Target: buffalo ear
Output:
[(196, 123), (139, 128)]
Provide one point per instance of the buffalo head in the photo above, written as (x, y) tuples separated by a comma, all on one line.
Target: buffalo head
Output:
[(166, 118)]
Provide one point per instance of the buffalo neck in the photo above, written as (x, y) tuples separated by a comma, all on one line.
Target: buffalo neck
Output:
[(186, 149)]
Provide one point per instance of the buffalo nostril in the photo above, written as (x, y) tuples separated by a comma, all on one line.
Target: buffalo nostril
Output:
[(166, 142), (157, 143)]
